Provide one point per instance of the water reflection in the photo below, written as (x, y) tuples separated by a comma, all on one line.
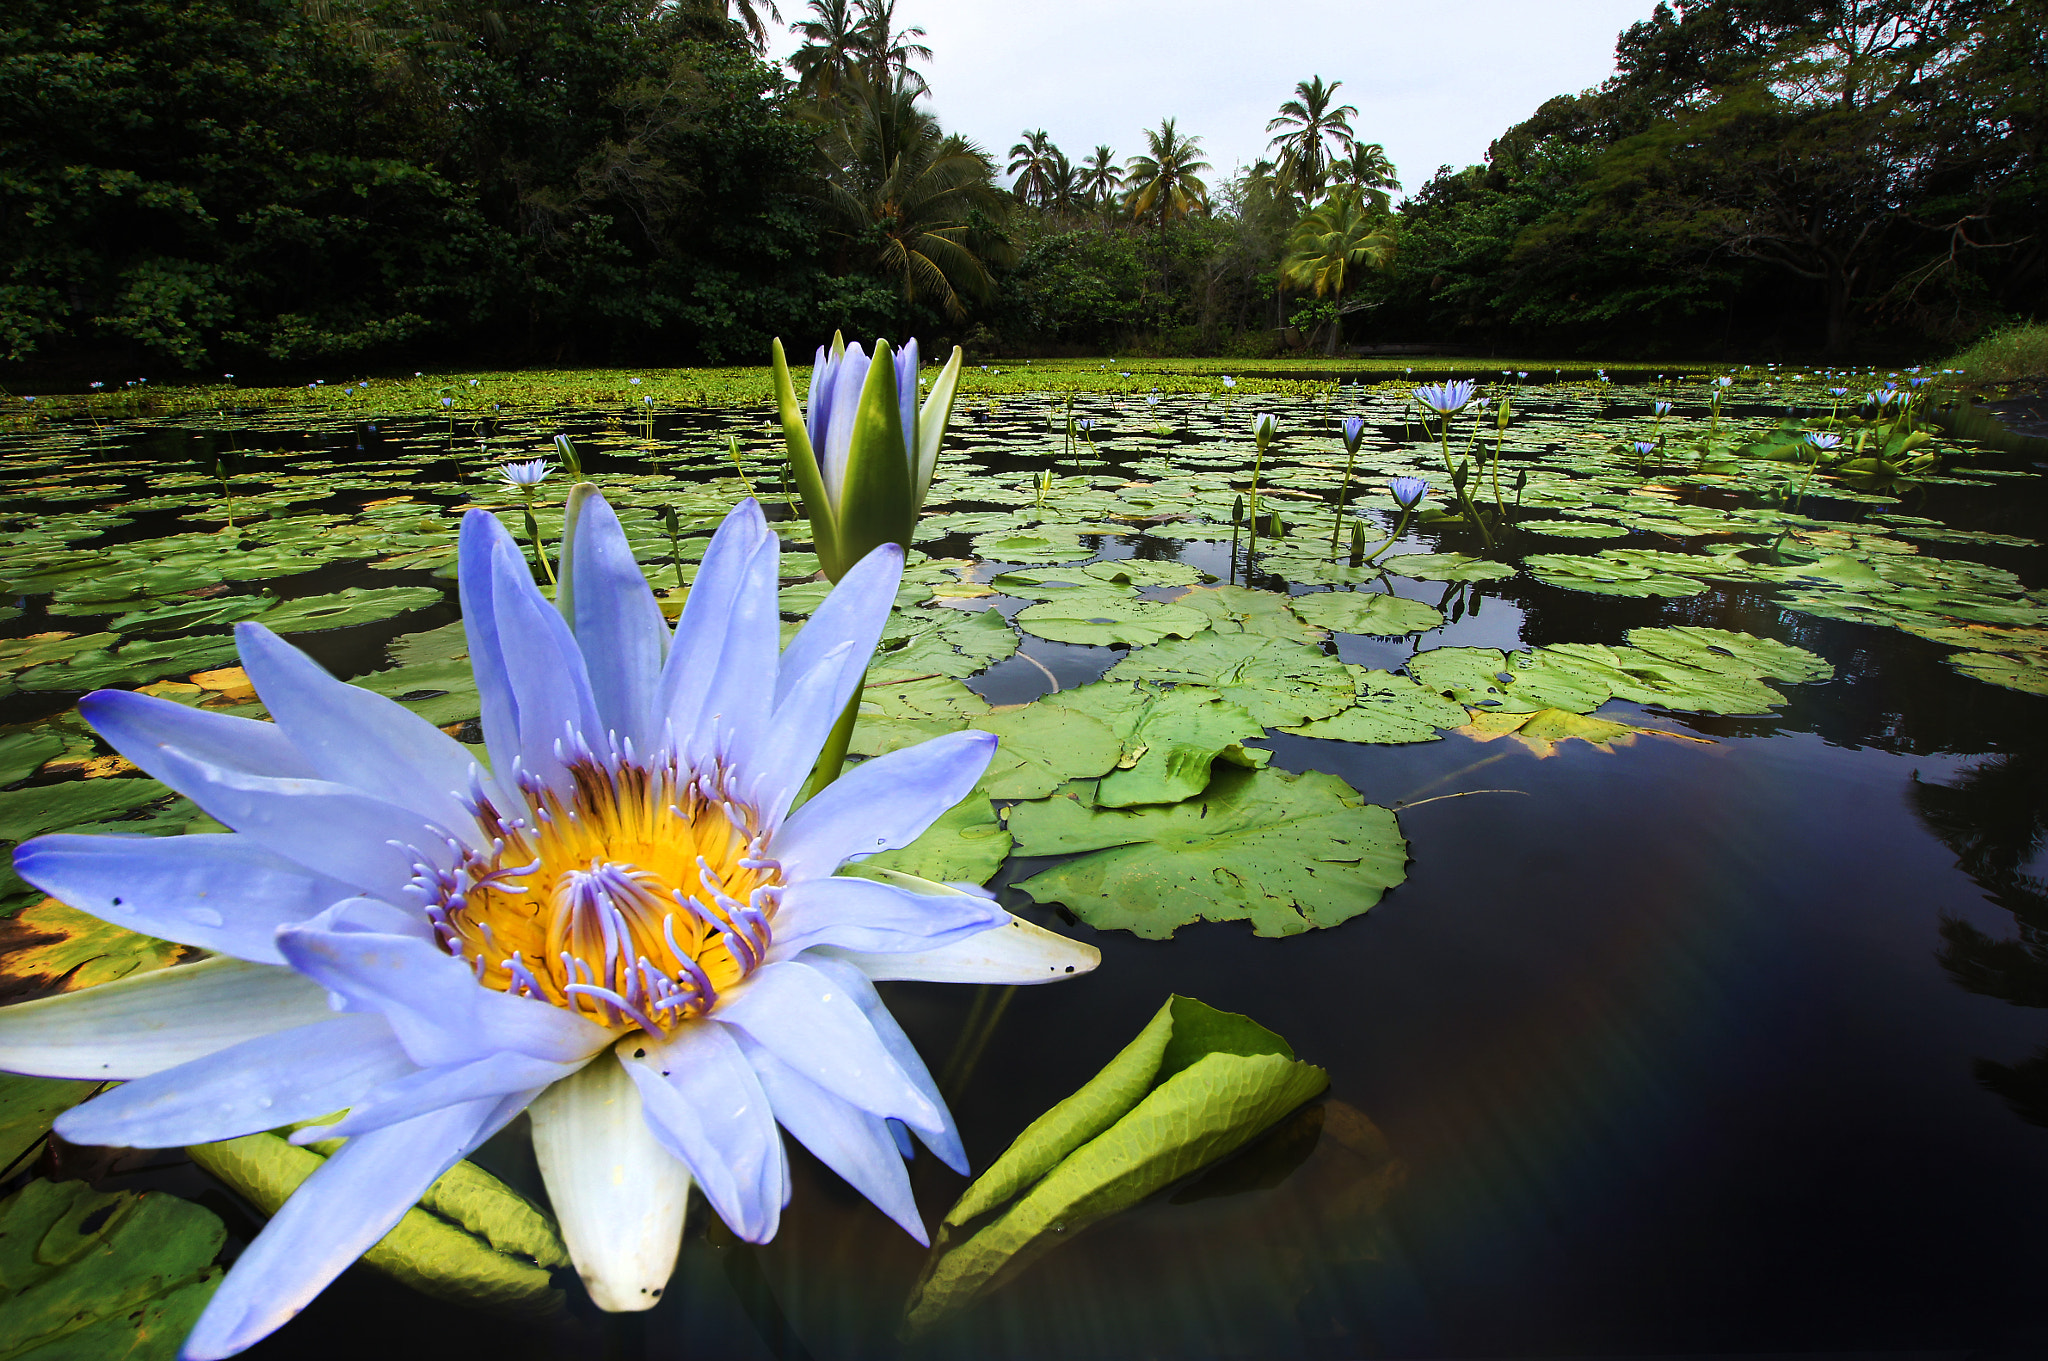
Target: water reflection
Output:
[(1994, 816)]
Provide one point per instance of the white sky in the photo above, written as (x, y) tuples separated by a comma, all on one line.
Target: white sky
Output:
[(1434, 80)]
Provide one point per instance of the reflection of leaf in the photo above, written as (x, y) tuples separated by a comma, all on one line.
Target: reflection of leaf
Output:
[(86, 1275), (1281, 683), (1284, 852), (1365, 612), (1541, 732), (50, 946), (442, 1247), (1100, 617), (1194, 1086), (1390, 709), (28, 1106)]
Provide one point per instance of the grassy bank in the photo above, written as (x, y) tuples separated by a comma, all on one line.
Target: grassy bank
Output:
[(2006, 356)]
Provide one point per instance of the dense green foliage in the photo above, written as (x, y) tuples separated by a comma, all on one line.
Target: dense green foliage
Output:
[(213, 181)]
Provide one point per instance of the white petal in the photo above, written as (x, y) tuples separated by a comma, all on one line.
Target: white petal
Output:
[(148, 1022), (1015, 953), (618, 1193)]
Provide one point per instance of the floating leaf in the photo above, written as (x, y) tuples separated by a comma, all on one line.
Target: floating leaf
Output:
[(194, 615), (1389, 709), (443, 693), (133, 663), (1145, 572), (1285, 852), (1604, 576), (967, 844), (28, 1107), (1365, 612), (950, 643), (86, 1274), (441, 1248), (352, 605), (1281, 683), (1445, 567), (1238, 609), (54, 807), (1030, 546), (1102, 618), (925, 697), (1174, 744), (1196, 1085), (49, 947), (1513, 682), (23, 753), (1043, 747), (1736, 653), (2028, 672), (1541, 732)]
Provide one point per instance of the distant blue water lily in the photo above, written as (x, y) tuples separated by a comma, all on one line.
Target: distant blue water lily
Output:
[(619, 926), (1645, 447), (1821, 441), (1354, 431), (530, 473), (1408, 491), (1446, 398), (1660, 408)]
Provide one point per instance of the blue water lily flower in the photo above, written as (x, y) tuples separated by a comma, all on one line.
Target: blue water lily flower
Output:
[(1660, 407), (1645, 447), (1354, 431), (1408, 491), (1821, 441), (618, 925), (529, 473), (1446, 398)]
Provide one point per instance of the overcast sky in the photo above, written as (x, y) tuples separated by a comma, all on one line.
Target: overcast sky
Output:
[(1434, 80)]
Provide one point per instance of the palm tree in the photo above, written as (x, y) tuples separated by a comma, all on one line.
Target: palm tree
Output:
[(1343, 234), (910, 203), (889, 50), (745, 13), (1031, 161), (833, 47), (1305, 123), (1368, 168), (1063, 192), (1165, 182), (1101, 177)]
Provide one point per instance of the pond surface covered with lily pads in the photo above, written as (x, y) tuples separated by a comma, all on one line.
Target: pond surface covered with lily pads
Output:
[(1651, 852)]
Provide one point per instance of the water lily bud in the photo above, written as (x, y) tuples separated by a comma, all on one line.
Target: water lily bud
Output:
[(1237, 511), (570, 459), (1274, 529)]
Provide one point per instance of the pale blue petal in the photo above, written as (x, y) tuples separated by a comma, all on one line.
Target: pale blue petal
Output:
[(810, 1020), (148, 1022), (440, 1013), (259, 1084), (742, 673), (855, 612), (945, 1141), (414, 1093), (141, 726), (1016, 952), (740, 561), (906, 403), (618, 626), (706, 1106), (353, 737), (881, 804), (221, 893), (352, 1200), (848, 378), (329, 828), (847, 1139), (374, 916), (480, 539), (818, 397), (772, 766), (862, 915), (544, 667)]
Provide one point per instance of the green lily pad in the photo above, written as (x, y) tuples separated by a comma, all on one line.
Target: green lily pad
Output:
[(23, 753), (949, 642), (1043, 747), (1446, 567), (443, 693), (1285, 852), (1144, 572), (1238, 609), (91, 1274), (1042, 545), (924, 697), (28, 1107), (1514, 682), (1389, 709), (55, 807), (1281, 683), (1103, 618), (448, 643), (1574, 529), (1365, 612), (1174, 744), (1736, 653), (135, 663), (1196, 1085), (1644, 678), (49, 947), (1598, 575), (2028, 672), (192, 616), (966, 845), (352, 605)]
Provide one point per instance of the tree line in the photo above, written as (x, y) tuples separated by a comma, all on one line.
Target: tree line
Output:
[(191, 184)]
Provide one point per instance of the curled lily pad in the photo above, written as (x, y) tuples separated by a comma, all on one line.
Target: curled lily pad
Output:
[(1174, 744), (1543, 731), (1194, 1086), (1285, 852), (1365, 612)]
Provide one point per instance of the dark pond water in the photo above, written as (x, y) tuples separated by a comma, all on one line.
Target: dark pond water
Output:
[(1682, 1048)]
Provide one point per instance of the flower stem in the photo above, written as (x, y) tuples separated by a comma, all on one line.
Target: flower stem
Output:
[(1337, 520), (832, 760), (1400, 528)]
